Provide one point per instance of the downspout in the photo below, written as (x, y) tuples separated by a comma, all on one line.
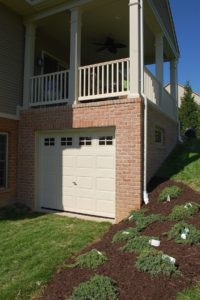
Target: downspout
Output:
[(145, 194)]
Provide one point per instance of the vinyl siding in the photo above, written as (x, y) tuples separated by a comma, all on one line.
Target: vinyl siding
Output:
[(11, 60)]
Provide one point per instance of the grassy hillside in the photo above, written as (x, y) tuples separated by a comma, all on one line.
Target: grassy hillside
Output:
[(184, 164)]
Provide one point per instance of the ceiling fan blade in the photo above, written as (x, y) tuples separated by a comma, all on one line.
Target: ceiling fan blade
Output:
[(98, 44), (120, 46), (102, 48)]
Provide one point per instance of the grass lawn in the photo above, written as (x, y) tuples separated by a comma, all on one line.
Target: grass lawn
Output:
[(184, 164), (33, 246)]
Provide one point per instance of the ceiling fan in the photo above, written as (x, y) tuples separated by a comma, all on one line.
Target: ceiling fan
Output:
[(109, 45)]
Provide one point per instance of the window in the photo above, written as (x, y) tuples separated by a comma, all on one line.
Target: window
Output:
[(66, 141), (105, 140), (85, 141), (3, 160), (159, 135), (49, 141)]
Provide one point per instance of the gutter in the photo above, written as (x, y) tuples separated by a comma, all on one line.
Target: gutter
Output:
[(141, 26)]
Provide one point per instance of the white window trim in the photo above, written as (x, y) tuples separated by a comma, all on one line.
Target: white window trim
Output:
[(6, 185), (162, 142)]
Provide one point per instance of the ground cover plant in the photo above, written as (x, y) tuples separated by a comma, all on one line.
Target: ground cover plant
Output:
[(156, 263), (172, 192), (97, 288), (143, 222), (184, 233), (138, 244), (135, 215), (123, 235), (183, 211), (91, 259), (34, 245)]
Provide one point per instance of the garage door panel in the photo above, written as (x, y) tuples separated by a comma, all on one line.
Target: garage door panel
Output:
[(68, 171), (86, 205), (68, 161), (67, 191), (69, 203), (107, 196), (105, 207), (105, 184), (84, 182), (105, 162), (78, 178), (85, 162), (68, 181)]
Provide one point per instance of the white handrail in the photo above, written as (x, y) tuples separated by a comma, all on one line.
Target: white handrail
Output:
[(51, 88), (103, 80)]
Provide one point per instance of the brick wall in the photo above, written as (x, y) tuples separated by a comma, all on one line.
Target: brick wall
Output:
[(10, 127), (158, 153), (127, 118)]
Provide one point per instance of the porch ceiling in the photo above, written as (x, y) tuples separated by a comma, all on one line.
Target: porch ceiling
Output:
[(100, 20)]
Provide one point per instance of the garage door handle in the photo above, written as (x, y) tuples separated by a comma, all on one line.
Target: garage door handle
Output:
[(74, 182)]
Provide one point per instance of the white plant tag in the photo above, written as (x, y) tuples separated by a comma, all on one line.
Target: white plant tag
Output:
[(131, 217), (125, 232), (183, 236), (168, 198), (155, 243), (171, 259)]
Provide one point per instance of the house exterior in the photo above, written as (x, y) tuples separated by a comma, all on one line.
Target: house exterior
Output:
[(83, 124), (180, 92)]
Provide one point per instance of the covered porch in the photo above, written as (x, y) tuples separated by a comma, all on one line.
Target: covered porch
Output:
[(93, 52)]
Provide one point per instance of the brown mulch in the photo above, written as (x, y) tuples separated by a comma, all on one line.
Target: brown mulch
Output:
[(132, 284)]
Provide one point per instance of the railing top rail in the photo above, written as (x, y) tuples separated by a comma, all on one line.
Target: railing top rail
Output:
[(104, 63), (50, 74)]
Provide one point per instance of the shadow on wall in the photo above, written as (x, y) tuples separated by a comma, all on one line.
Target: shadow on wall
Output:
[(182, 156)]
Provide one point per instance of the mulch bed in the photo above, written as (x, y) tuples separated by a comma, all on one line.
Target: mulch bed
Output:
[(132, 284)]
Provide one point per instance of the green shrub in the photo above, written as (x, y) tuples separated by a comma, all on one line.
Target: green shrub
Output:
[(138, 244), (192, 236), (124, 235), (172, 191), (156, 263), (135, 215), (181, 212), (91, 259), (97, 288), (143, 222)]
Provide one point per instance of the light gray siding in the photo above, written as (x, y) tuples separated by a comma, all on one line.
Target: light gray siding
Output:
[(11, 60)]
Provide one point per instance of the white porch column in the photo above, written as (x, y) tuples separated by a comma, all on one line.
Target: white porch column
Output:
[(159, 58), (28, 61), (75, 54), (173, 78), (134, 47), (159, 66), (174, 84)]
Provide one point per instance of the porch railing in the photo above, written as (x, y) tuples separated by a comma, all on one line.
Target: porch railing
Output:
[(155, 92), (50, 88), (104, 80)]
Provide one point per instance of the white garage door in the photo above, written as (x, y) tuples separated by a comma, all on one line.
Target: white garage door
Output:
[(77, 172)]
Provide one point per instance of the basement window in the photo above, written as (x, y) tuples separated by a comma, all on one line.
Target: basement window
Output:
[(66, 141), (49, 141), (3, 160), (85, 141), (105, 140), (159, 135)]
